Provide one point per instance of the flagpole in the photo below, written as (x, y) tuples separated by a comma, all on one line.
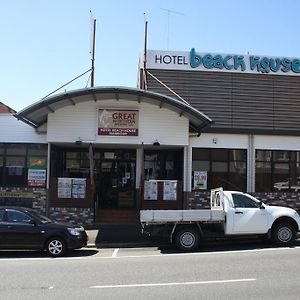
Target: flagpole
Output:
[(93, 53)]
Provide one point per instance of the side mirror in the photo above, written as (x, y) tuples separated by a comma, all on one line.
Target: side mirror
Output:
[(261, 205), (32, 222)]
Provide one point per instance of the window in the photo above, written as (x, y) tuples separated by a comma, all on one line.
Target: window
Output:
[(1, 215), (17, 162), (163, 164), (225, 167), (277, 170), (243, 201), (14, 216)]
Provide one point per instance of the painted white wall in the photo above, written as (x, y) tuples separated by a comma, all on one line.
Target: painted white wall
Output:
[(15, 131), (217, 140), (79, 122), (277, 142)]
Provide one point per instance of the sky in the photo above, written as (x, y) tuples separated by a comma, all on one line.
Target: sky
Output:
[(46, 43)]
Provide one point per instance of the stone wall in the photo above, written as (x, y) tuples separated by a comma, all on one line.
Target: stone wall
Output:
[(80, 216), (201, 200), (35, 198)]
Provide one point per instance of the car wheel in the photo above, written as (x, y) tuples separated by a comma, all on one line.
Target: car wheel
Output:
[(283, 234), (187, 239), (56, 247)]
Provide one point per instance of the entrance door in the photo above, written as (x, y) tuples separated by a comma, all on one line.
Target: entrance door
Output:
[(116, 184)]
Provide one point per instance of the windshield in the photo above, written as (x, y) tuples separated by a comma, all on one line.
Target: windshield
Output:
[(43, 219)]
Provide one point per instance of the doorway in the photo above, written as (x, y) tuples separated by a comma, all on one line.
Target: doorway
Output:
[(115, 181)]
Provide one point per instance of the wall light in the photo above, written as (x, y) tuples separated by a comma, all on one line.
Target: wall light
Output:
[(156, 143)]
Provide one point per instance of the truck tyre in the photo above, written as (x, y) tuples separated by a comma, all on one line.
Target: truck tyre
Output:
[(283, 234), (187, 239), (56, 247)]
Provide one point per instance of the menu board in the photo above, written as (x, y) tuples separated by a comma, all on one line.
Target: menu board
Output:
[(170, 190), (71, 188), (78, 188), (150, 190)]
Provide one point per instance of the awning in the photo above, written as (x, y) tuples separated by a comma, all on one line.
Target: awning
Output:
[(37, 113)]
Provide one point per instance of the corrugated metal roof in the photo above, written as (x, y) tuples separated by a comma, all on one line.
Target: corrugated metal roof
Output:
[(37, 113)]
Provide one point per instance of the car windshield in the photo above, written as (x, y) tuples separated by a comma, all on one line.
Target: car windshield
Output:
[(43, 219)]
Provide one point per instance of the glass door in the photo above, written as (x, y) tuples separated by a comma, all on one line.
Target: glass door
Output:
[(116, 184)]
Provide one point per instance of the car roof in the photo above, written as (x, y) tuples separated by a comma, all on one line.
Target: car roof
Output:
[(21, 208)]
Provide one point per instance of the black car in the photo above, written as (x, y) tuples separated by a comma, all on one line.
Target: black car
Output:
[(24, 228)]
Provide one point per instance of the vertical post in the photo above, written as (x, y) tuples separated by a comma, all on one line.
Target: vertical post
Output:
[(48, 179), (251, 165), (93, 53), (143, 81)]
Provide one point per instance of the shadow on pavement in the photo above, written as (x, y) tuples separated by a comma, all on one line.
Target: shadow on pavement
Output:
[(223, 246), (7, 254)]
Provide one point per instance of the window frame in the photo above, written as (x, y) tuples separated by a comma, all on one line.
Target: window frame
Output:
[(228, 154), (5, 155)]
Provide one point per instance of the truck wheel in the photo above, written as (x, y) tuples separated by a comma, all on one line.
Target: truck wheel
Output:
[(283, 234), (56, 247), (187, 239)]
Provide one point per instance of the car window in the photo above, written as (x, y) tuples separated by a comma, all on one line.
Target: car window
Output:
[(14, 216), (1, 215), (240, 200)]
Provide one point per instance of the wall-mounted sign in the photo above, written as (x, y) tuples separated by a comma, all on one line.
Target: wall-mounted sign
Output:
[(195, 61), (9, 194), (36, 177), (115, 122), (170, 190), (150, 190), (71, 188), (200, 180), (37, 171)]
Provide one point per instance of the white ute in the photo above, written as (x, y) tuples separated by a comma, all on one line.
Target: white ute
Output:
[(232, 214)]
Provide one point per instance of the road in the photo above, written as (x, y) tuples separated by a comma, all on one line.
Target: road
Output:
[(241, 271)]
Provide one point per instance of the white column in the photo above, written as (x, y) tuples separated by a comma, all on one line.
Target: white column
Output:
[(250, 165), (187, 169)]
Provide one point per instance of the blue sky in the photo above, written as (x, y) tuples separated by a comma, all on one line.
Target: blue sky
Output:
[(45, 43)]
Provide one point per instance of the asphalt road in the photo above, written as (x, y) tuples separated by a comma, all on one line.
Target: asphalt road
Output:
[(239, 271)]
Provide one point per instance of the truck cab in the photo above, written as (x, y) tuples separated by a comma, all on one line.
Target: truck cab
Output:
[(246, 215)]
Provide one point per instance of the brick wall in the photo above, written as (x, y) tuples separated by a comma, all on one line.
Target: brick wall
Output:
[(35, 198), (201, 200), (80, 216)]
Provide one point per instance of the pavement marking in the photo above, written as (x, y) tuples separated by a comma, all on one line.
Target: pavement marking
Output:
[(115, 252), (6, 259), (171, 283)]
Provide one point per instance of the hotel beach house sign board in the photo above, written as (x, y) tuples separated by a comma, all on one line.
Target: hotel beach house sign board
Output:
[(118, 122), (195, 61)]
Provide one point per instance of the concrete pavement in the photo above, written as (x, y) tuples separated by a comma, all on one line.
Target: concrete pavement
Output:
[(120, 235)]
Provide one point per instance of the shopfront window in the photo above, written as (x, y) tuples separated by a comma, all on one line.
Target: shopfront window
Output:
[(277, 170), (23, 164), (219, 168), (165, 165)]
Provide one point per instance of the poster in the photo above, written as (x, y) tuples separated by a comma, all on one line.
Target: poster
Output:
[(36, 177), (200, 180), (71, 188), (170, 190), (150, 190), (64, 188), (78, 188)]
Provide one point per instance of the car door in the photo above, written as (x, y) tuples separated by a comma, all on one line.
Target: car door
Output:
[(19, 232), (249, 216)]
